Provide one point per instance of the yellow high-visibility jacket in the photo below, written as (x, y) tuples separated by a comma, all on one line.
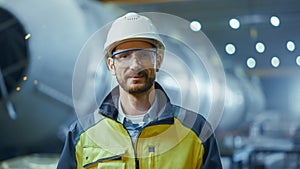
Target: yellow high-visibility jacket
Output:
[(177, 139)]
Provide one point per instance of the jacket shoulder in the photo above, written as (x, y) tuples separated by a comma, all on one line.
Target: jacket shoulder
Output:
[(83, 123), (194, 121)]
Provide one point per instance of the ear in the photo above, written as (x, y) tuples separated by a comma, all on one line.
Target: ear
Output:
[(111, 66), (158, 62)]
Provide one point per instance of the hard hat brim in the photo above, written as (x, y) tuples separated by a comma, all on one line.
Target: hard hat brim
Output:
[(156, 44)]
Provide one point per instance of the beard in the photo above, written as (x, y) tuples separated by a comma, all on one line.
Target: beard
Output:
[(138, 87)]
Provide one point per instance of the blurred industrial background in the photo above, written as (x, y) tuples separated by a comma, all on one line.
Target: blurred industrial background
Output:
[(258, 42)]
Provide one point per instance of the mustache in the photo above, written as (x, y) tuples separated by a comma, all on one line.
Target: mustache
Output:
[(139, 73)]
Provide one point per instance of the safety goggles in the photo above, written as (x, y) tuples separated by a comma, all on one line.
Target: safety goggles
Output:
[(143, 56)]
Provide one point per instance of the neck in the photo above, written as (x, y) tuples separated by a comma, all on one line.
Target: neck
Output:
[(137, 104)]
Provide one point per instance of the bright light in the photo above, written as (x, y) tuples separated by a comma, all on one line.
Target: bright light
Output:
[(275, 61), (27, 36), (230, 49), (251, 63), (298, 60), (275, 21), (195, 26), (234, 23), (290, 45), (18, 88), (24, 78), (260, 47)]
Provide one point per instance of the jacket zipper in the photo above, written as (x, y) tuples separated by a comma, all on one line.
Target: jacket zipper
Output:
[(135, 146), (137, 165)]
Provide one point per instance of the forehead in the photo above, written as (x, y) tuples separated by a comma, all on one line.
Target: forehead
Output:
[(133, 44)]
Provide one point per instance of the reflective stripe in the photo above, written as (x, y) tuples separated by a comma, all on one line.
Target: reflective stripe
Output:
[(116, 157)]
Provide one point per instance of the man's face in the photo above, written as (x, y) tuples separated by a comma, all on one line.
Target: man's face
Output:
[(134, 72)]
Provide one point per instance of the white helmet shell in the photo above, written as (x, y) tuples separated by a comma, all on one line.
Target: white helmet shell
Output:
[(129, 27)]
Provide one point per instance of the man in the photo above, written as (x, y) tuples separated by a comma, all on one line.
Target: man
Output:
[(136, 126)]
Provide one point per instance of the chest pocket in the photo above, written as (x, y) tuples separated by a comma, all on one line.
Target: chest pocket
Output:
[(96, 158)]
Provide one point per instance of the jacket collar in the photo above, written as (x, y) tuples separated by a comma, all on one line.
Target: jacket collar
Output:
[(109, 106)]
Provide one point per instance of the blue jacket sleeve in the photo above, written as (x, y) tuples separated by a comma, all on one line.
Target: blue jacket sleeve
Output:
[(68, 158), (211, 159)]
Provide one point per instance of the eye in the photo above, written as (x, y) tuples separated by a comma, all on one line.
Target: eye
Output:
[(120, 55), (123, 55), (147, 54)]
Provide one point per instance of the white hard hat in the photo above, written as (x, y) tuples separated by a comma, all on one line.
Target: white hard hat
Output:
[(129, 27)]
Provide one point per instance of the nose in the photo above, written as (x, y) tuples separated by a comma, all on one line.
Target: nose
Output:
[(135, 63)]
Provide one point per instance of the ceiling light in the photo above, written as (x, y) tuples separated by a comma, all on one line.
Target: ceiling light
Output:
[(298, 60), (230, 49), (290, 45), (275, 21), (234, 23), (260, 47), (275, 61), (251, 63), (195, 26)]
